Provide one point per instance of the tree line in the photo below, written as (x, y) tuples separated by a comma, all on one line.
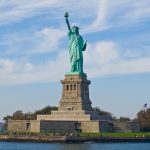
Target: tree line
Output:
[(20, 115), (143, 116)]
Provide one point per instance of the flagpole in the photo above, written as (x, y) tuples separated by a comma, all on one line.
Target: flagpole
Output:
[(142, 122), (144, 112)]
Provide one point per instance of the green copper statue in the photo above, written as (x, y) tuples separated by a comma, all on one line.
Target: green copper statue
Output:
[(76, 45)]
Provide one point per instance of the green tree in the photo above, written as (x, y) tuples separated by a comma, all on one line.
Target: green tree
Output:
[(124, 119), (45, 110), (8, 117), (102, 112), (144, 117), (18, 115)]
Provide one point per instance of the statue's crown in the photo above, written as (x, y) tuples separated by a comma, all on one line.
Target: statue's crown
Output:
[(75, 27)]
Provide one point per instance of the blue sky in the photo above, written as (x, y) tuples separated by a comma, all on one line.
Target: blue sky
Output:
[(34, 54)]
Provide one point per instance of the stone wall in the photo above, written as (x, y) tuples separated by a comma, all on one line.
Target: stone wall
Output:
[(128, 126), (106, 126), (96, 126), (34, 126), (58, 126), (24, 125), (64, 117), (90, 126), (71, 126), (134, 126), (17, 125)]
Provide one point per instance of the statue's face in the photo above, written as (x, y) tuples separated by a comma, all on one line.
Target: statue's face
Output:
[(75, 30)]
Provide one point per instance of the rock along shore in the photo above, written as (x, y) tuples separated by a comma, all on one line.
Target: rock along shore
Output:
[(67, 139)]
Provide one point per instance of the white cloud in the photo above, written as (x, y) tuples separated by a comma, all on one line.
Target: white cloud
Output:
[(6, 66), (135, 12), (100, 23), (105, 59), (48, 39), (108, 13), (138, 12), (14, 10), (101, 52), (101, 59), (114, 14), (45, 40), (12, 72)]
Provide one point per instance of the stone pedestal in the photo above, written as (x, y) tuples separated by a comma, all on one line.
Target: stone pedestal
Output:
[(75, 94), (75, 104)]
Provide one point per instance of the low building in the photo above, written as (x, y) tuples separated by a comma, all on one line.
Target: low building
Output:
[(59, 126)]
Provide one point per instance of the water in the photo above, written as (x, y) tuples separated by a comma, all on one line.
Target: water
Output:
[(93, 146)]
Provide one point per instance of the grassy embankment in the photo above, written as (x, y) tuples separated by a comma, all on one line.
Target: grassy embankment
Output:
[(117, 135), (121, 135)]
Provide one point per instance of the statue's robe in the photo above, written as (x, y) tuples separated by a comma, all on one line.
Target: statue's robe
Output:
[(76, 45)]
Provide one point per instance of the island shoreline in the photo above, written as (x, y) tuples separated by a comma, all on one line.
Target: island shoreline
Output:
[(71, 139)]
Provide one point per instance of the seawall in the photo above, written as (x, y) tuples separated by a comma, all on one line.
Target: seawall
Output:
[(30, 138), (67, 139)]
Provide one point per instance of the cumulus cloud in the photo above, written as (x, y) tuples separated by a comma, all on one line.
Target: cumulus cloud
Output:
[(101, 53), (12, 72), (105, 59), (48, 39)]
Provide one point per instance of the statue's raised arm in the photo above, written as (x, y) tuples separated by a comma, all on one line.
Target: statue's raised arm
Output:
[(67, 21), (76, 46)]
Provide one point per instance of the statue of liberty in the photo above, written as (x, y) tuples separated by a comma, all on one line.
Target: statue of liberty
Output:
[(76, 45)]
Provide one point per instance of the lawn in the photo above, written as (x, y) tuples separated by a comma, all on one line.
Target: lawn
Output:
[(127, 134)]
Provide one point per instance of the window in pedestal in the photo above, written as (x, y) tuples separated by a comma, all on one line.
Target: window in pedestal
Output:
[(74, 87), (67, 87), (70, 108), (70, 87)]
